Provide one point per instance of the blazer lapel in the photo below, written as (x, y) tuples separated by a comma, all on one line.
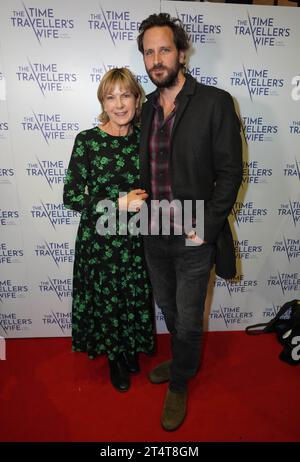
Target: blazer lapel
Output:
[(183, 99), (180, 110)]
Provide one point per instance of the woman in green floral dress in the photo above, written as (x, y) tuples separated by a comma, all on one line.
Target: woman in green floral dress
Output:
[(112, 300)]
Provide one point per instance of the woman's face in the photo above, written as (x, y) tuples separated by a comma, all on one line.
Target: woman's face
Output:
[(120, 105)]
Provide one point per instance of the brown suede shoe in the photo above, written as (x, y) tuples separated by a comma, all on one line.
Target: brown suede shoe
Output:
[(160, 373), (174, 410)]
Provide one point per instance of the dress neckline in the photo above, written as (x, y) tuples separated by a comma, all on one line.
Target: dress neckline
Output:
[(116, 136)]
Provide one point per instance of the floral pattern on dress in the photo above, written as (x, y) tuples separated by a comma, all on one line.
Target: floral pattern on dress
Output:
[(112, 307)]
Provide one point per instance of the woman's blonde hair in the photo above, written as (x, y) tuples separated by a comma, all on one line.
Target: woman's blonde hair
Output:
[(126, 80)]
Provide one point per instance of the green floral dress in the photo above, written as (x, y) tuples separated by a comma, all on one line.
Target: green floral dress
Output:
[(112, 299)]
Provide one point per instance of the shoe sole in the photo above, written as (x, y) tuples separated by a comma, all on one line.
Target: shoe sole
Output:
[(174, 428), (157, 382), (121, 390)]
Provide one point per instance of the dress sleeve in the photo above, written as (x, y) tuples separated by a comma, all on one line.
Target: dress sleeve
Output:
[(74, 196)]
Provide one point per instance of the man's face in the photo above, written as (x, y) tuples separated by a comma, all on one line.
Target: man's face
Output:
[(161, 57)]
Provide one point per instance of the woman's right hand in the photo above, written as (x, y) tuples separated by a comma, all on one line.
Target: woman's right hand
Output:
[(133, 200)]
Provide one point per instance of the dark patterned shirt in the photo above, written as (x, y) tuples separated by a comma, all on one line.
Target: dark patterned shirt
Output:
[(159, 150), (160, 154)]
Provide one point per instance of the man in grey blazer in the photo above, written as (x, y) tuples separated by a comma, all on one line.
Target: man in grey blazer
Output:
[(190, 151)]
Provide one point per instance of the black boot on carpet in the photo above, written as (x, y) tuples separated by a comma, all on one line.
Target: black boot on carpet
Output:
[(119, 375), (131, 362)]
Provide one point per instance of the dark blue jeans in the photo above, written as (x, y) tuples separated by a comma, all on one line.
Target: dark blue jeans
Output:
[(179, 276)]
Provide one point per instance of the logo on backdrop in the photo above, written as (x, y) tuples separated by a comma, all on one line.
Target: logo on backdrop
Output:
[(255, 173), (61, 288), (198, 29), (258, 129), (56, 214), (296, 90), (97, 73), (57, 252), (62, 321), (3, 129), (53, 171), (10, 255), (294, 127), (231, 315), (292, 169), (257, 82), (286, 282), (290, 210), (237, 285), (288, 246), (5, 175), (50, 126), (247, 212), (95, 121), (246, 250), (262, 31), (9, 217), (12, 322), (48, 77), (119, 24), (270, 312), (11, 290), (43, 22), (201, 77), (159, 315)]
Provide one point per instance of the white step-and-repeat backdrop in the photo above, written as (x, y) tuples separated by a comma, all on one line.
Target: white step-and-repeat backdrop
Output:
[(52, 56)]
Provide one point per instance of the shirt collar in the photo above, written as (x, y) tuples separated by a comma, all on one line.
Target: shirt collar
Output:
[(187, 89)]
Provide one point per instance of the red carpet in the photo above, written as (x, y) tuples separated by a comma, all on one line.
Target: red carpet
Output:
[(242, 393)]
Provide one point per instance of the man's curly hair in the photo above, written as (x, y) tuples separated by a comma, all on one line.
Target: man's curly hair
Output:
[(181, 39)]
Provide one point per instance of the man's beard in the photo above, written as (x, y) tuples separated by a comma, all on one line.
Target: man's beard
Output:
[(169, 80)]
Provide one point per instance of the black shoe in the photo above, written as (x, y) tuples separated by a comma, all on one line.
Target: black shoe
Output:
[(119, 375), (131, 362)]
